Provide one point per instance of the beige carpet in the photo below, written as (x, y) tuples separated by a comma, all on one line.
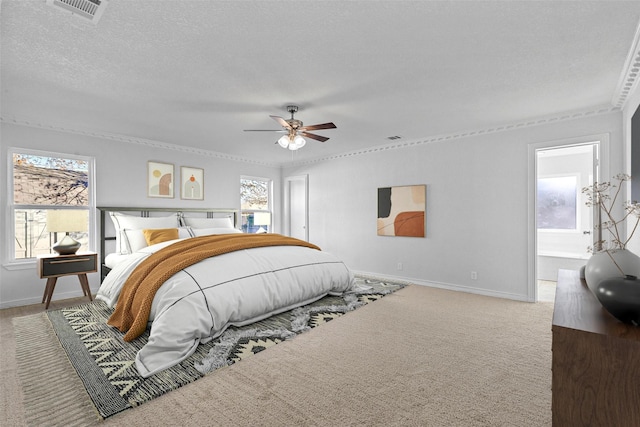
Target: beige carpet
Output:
[(419, 357)]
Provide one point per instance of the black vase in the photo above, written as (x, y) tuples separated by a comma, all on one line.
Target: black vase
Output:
[(620, 296)]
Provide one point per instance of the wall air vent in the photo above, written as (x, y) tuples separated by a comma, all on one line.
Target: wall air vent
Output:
[(87, 9)]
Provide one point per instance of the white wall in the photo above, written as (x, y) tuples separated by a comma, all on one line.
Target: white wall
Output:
[(477, 206), (120, 181)]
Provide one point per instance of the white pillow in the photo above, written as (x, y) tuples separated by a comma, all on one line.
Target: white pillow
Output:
[(136, 240), (124, 222), (208, 222), (209, 231)]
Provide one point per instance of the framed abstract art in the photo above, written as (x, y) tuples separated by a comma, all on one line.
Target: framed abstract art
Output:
[(160, 179), (191, 183), (401, 211)]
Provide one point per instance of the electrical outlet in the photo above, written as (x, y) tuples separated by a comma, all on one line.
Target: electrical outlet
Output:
[(474, 275), (399, 266)]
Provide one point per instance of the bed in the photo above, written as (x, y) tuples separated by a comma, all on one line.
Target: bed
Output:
[(188, 274)]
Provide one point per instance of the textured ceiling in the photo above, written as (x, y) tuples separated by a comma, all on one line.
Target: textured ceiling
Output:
[(196, 73)]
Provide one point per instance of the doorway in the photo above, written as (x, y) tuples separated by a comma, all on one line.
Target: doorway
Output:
[(296, 202), (561, 225), (564, 222)]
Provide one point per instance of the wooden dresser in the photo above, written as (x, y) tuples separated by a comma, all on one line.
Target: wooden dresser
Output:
[(596, 361)]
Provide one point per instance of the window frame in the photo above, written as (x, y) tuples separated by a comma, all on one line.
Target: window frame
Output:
[(11, 262), (269, 209)]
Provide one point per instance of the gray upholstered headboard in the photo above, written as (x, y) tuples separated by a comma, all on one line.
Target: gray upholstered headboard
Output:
[(107, 230)]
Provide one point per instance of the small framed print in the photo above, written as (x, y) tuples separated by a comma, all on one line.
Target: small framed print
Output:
[(160, 180), (191, 183)]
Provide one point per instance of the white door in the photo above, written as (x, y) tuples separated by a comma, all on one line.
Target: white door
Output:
[(296, 202)]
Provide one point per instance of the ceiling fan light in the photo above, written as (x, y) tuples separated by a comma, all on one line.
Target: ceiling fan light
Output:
[(298, 142), (284, 141)]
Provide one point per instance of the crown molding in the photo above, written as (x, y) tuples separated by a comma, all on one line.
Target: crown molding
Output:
[(133, 140), (594, 111), (544, 120), (629, 77)]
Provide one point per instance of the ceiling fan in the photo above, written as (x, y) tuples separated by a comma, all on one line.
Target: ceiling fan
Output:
[(295, 131)]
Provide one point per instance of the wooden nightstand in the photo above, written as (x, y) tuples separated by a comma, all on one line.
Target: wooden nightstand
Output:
[(53, 266)]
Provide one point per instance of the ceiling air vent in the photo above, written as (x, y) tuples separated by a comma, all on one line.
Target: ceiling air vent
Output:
[(87, 9)]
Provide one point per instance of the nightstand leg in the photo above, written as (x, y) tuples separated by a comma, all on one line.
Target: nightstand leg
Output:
[(84, 283), (48, 291)]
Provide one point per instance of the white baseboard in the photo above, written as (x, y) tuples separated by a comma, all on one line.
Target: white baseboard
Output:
[(447, 286), (38, 300), (407, 280)]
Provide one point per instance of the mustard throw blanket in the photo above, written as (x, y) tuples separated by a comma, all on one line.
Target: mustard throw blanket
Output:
[(134, 304)]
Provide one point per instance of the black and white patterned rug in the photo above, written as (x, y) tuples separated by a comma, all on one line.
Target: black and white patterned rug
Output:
[(106, 364)]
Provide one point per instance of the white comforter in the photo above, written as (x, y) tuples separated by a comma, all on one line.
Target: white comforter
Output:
[(237, 288)]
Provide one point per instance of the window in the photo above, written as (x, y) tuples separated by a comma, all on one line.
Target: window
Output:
[(557, 203), (52, 197), (255, 204)]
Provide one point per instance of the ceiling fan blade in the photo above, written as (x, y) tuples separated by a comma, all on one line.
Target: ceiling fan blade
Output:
[(313, 136), (282, 122), (321, 126), (266, 130)]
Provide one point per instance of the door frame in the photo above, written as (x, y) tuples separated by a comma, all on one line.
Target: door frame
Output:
[(602, 144), (287, 204)]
